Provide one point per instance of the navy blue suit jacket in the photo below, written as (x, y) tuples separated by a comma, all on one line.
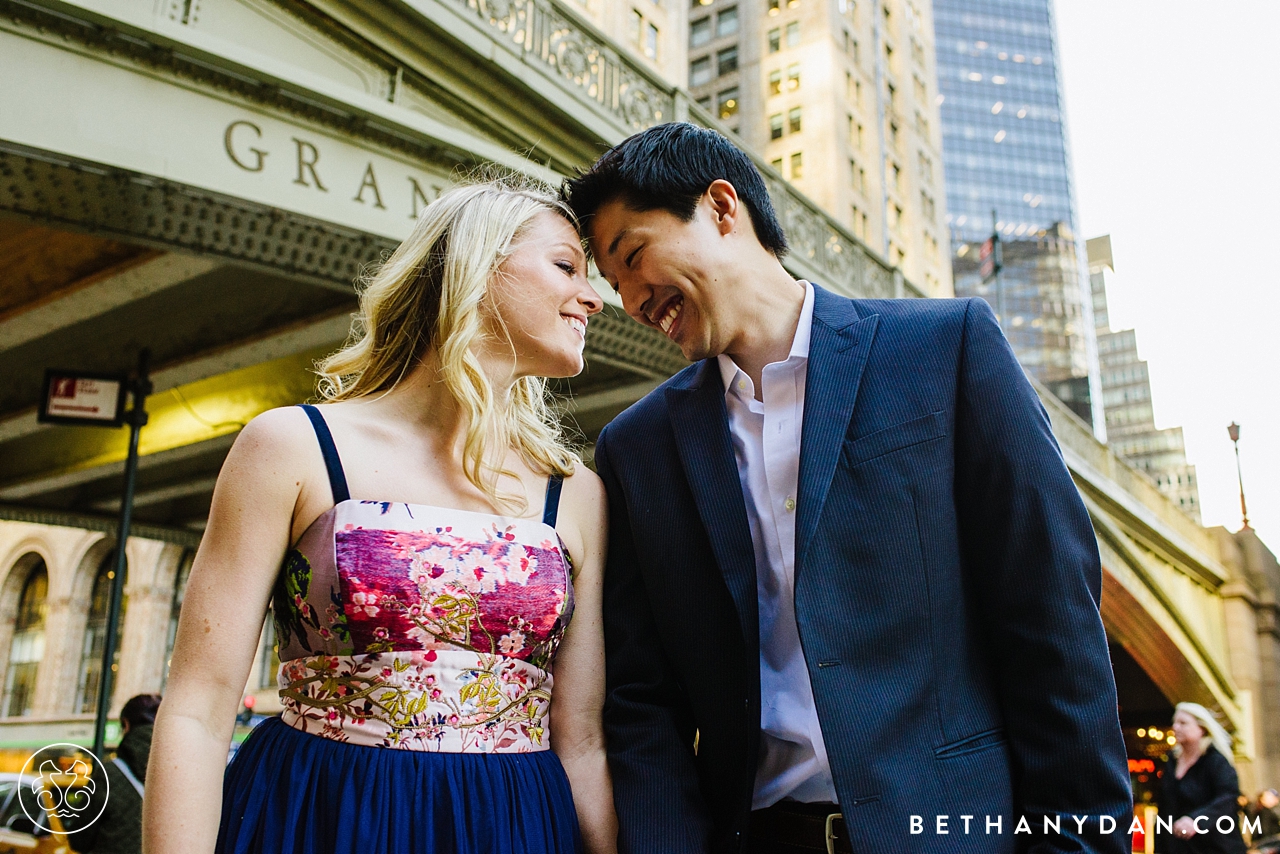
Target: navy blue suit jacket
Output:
[(946, 590)]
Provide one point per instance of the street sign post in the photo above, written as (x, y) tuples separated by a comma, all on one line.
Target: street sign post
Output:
[(83, 399), (97, 400)]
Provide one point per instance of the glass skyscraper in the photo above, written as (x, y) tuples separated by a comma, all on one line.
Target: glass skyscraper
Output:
[(1004, 149)]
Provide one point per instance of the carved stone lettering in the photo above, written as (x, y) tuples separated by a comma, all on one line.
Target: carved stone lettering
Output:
[(308, 156), (370, 182), (259, 155)]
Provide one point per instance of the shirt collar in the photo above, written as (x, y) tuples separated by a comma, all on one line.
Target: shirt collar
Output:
[(729, 370)]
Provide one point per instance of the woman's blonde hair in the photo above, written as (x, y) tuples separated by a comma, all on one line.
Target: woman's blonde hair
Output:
[(428, 296), (1213, 731)]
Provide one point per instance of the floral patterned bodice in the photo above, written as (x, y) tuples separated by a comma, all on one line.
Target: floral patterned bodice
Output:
[(422, 628)]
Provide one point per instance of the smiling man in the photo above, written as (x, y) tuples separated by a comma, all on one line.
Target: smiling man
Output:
[(850, 580)]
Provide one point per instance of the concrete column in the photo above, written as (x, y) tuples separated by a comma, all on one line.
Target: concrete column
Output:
[(1242, 654), (146, 626)]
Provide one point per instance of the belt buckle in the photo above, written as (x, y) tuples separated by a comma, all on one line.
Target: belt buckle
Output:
[(831, 837)]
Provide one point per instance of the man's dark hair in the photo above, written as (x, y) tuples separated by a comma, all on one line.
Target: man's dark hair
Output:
[(669, 167), (140, 710)]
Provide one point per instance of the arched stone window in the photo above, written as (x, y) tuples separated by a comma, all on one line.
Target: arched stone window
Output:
[(27, 647), (175, 609), (95, 635)]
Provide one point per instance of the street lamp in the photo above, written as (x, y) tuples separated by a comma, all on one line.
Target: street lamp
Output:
[(1234, 432)]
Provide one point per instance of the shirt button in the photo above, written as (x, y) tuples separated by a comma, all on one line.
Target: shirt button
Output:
[(742, 385), (790, 504)]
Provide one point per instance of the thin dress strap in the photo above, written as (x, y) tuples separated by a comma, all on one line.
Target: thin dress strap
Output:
[(552, 506), (332, 463)]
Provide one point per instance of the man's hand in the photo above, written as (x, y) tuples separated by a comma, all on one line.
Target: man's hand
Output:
[(1184, 828)]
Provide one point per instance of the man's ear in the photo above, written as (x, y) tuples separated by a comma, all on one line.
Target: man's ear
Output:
[(725, 205)]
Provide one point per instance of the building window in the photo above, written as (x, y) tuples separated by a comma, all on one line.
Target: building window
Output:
[(775, 40), (857, 92), (893, 134), (776, 163), (855, 133), (95, 636), (27, 648), (893, 95), (793, 77), (651, 41), (797, 166), (925, 165), (922, 124), (859, 224), (700, 71), (775, 82), (700, 32), (643, 34), (859, 176), (793, 120), (775, 126), (793, 34), (927, 206), (922, 93), (705, 102), (727, 60), (727, 22), (917, 51), (727, 103), (774, 7), (700, 3)]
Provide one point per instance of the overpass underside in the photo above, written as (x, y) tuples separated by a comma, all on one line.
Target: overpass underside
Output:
[(208, 178)]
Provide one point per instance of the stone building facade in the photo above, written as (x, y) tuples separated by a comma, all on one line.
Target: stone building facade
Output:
[(840, 98)]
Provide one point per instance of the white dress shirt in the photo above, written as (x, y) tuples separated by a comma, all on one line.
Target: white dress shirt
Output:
[(766, 445)]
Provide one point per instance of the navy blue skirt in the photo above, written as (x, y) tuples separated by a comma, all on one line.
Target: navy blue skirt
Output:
[(288, 791)]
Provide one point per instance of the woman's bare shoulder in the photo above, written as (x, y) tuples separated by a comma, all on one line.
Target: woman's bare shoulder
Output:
[(277, 441), (584, 488)]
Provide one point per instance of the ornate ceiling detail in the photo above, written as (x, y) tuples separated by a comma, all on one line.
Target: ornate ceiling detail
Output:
[(543, 33)]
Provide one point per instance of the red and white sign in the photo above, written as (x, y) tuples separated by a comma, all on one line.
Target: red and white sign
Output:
[(80, 399)]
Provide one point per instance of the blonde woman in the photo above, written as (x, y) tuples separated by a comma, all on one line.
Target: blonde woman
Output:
[(1199, 787), (424, 538)]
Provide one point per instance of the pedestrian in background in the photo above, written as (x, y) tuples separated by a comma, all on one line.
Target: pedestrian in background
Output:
[(1262, 814), (119, 829), (1199, 787)]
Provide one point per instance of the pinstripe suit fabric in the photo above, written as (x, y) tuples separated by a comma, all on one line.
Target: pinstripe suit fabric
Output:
[(947, 586)]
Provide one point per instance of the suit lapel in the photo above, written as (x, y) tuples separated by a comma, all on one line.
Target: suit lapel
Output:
[(701, 427), (838, 350)]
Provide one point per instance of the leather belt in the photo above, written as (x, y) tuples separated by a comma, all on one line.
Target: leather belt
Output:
[(788, 827)]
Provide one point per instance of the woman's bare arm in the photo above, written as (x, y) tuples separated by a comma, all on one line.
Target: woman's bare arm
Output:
[(250, 527), (577, 725)]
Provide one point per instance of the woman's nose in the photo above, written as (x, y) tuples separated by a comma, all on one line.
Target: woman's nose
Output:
[(590, 300)]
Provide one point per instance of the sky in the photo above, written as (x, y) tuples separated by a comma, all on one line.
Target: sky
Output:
[(1172, 116)]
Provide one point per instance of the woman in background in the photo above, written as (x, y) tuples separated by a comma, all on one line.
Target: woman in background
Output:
[(425, 538), (1198, 785)]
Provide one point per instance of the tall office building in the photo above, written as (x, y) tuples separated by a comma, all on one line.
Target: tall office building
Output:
[(1007, 168), (1126, 395), (840, 97), (654, 32)]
